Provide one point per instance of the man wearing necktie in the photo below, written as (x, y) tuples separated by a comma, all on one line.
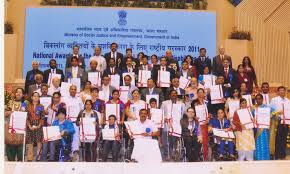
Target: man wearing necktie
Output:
[(75, 54), (30, 75), (217, 62), (152, 90), (118, 57), (35, 87), (52, 70), (202, 61)]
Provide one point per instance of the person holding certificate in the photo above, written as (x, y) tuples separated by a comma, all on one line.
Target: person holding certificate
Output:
[(224, 124), (280, 104), (191, 90), (14, 142), (111, 136), (191, 135), (52, 109), (262, 151), (74, 72), (93, 75), (67, 130), (232, 103), (245, 140), (203, 121), (34, 133), (89, 145), (129, 110), (206, 79), (128, 80), (86, 93), (55, 86), (98, 104), (116, 100)]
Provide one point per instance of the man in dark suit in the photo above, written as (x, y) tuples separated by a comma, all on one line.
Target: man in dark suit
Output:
[(118, 57), (162, 67), (171, 62), (112, 69), (35, 87), (230, 76), (144, 64), (136, 61), (175, 86), (185, 71), (152, 90), (76, 50), (30, 75), (217, 66), (53, 70), (202, 61), (129, 68)]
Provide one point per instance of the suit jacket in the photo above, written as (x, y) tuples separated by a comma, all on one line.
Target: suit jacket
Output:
[(231, 79), (154, 74), (156, 91), (80, 75), (81, 61), (149, 67), (108, 71), (201, 64), (182, 92), (190, 73), (172, 63), (217, 64), (31, 89), (29, 79), (119, 60), (48, 71)]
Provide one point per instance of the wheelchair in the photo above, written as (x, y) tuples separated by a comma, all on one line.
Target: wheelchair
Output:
[(65, 148)]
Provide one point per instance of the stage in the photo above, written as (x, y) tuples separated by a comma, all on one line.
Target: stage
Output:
[(255, 167)]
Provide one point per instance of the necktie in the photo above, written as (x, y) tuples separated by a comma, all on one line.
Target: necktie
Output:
[(38, 86), (53, 71), (163, 69), (112, 70)]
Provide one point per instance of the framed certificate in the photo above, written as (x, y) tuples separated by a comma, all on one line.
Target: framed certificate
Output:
[(17, 123), (51, 133), (143, 77), (163, 79), (246, 118)]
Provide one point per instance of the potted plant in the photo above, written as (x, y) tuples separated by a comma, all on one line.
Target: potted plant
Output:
[(8, 28)]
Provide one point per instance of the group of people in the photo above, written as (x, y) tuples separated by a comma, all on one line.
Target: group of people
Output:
[(182, 134)]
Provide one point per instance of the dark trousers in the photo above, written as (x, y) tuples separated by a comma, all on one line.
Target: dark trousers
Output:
[(281, 141), (13, 151), (192, 148), (90, 151), (111, 146)]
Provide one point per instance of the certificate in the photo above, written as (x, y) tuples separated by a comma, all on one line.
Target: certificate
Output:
[(143, 76), (175, 128), (249, 100), (95, 78), (87, 129), (64, 89), (73, 112), (124, 93), (135, 109), (209, 80), (223, 134), (17, 124), (51, 116), (51, 77), (113, 109), (262, 116), (102, 96), (76, 82), (286, 113), (148, 97), (109, 134), (183, 82), (134, 129), (51, 133), (246, 118), (157, 117), (163, 79), (201, 113), (45, 101), (233, 106), (115, 81), (132, 75), (216, 94)]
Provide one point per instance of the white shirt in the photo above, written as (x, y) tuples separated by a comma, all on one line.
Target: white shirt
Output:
[(76, 55), (106, 91), (278, 102), (184, 73), (147, 124), (74, 105), (114, 55), (266, 99), (52, 90), (53, 71), (151, 90), (102, 64), (177, 90)]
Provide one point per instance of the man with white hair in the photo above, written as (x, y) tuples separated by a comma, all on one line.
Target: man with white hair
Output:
[(101, 61), (30, 75), (171, 62), (38, 78), (217, 66), (55, 86)]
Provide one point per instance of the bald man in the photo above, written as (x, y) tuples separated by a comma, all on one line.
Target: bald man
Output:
[(217, 66), (30, 75), (171, 62)]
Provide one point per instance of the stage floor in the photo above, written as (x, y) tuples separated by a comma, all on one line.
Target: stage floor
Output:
[(254, 167)]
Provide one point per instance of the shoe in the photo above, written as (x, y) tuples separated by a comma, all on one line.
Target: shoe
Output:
[(221, 157), (232, 157), (76, 156)]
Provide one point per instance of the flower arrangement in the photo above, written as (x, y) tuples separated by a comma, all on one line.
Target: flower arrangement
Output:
[(240, 35)]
